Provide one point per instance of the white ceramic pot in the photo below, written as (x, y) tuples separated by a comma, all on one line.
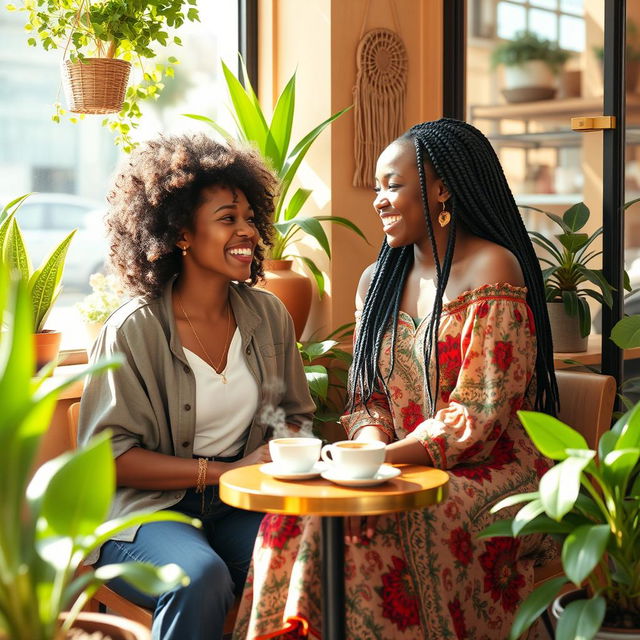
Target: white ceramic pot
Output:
[(565, 330), (605, 633), (533, 73)]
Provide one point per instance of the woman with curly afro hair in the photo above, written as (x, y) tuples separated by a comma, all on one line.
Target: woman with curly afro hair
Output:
[(207, 357)]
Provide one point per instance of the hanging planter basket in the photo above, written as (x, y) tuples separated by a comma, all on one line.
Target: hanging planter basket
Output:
[(95, 85)]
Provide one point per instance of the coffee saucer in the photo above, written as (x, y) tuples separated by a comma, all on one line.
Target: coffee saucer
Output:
[(385, 472), (272, 469)]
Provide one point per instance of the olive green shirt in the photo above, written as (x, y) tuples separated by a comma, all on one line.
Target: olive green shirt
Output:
[(149, 401)]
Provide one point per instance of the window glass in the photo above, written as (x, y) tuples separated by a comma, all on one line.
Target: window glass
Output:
[(547, 4), (572, 6), (572, 35), (71, 165), (544, 23), (510, 20)]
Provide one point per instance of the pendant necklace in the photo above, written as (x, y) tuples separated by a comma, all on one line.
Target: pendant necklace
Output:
[(224, 378)]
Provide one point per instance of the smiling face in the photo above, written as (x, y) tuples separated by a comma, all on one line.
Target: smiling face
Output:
[(398, 201), (223, 237)]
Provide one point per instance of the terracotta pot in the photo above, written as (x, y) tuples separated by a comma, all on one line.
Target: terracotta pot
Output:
[(565, 330), (605, 633), (293, 289), (47, 346)]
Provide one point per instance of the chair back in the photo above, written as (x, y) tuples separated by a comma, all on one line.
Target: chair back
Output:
[(73, 412), (586, 402)]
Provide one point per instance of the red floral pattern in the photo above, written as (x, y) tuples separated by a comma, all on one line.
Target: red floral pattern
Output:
[(450, 360), (502, 578), (399, 601), (457, 616), (411, 416), (502, 355), (460, 545), (276, 530), (425, 573)]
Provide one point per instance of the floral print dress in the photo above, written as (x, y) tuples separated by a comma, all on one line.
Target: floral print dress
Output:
[(424, 574)]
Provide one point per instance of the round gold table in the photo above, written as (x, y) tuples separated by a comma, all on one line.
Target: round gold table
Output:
[(249, 488)]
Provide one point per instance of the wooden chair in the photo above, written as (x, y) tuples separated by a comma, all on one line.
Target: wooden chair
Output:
[(586, 404), (106, 598)]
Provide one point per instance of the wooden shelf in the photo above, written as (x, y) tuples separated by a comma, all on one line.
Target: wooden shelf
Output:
[(547, 108), (591, 356)]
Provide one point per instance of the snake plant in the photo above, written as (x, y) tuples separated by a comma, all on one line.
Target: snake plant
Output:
[(44, 282), (273, 142)]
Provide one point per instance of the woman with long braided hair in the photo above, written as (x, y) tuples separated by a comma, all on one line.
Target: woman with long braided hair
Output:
[(452, 339)]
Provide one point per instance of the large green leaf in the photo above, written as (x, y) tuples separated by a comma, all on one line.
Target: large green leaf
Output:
[(45, 281), (595, 276), (582, 551), (560, 486), (626, 332), (315, 272), (584, 317), (281, 125), (296, 203), (212, 123), (249, 115), (344, 222), (297, 156), (308, 225), (509, 501), (315, 350), (576, 217), (573, 241), (10, 208), (617, 468), (317, 379), (14, 252), (550, 436), (545, 243), (628, 429), (72, 506), (581, 619), (570, 302), (535, 603), (528, 513)]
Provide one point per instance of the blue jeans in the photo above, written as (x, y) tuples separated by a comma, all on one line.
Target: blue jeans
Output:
[(216, 558)]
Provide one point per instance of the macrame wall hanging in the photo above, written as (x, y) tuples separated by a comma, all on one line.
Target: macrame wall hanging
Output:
[(378, 96)]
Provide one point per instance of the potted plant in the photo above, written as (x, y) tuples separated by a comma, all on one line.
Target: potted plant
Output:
[(106, 296), (532, 64), (102, 40), (48, 525), (326, 367), (44, 282), (590, 502), (566, 276), (273, 141), (631, 58)]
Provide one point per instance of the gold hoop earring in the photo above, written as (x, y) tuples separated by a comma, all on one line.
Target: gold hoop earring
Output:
[(444, 217)]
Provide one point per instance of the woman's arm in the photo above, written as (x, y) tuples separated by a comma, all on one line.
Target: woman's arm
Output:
[(143, 469)]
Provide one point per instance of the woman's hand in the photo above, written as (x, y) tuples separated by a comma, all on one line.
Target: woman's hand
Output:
[(260, 455), (359, 528)]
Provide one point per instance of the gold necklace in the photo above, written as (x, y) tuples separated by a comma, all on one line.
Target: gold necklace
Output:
[(220, 373)]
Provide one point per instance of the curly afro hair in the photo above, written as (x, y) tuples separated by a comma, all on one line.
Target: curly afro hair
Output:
[(156, 193)]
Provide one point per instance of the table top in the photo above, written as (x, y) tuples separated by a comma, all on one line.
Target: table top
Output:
[(249, 488)]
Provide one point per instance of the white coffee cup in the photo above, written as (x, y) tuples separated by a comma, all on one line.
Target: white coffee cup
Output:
[(295, 455), (350, 459)]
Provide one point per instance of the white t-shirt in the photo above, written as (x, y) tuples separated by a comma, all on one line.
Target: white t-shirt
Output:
[(223, 411)]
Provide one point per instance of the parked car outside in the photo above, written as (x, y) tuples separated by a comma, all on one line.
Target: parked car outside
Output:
[(46, 218)]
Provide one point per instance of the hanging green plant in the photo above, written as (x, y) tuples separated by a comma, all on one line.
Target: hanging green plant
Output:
[(108, 37)]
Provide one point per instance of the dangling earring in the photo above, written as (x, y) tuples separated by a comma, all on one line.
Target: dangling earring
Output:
[(184, 251), (444, 216)]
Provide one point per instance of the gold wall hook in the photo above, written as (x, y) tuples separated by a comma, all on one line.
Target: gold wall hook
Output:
[(593, 123)]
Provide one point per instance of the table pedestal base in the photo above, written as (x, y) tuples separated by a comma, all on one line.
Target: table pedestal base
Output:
[(333, 614)]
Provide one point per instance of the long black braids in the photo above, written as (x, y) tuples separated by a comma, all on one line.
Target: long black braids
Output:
[(482, 202)]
